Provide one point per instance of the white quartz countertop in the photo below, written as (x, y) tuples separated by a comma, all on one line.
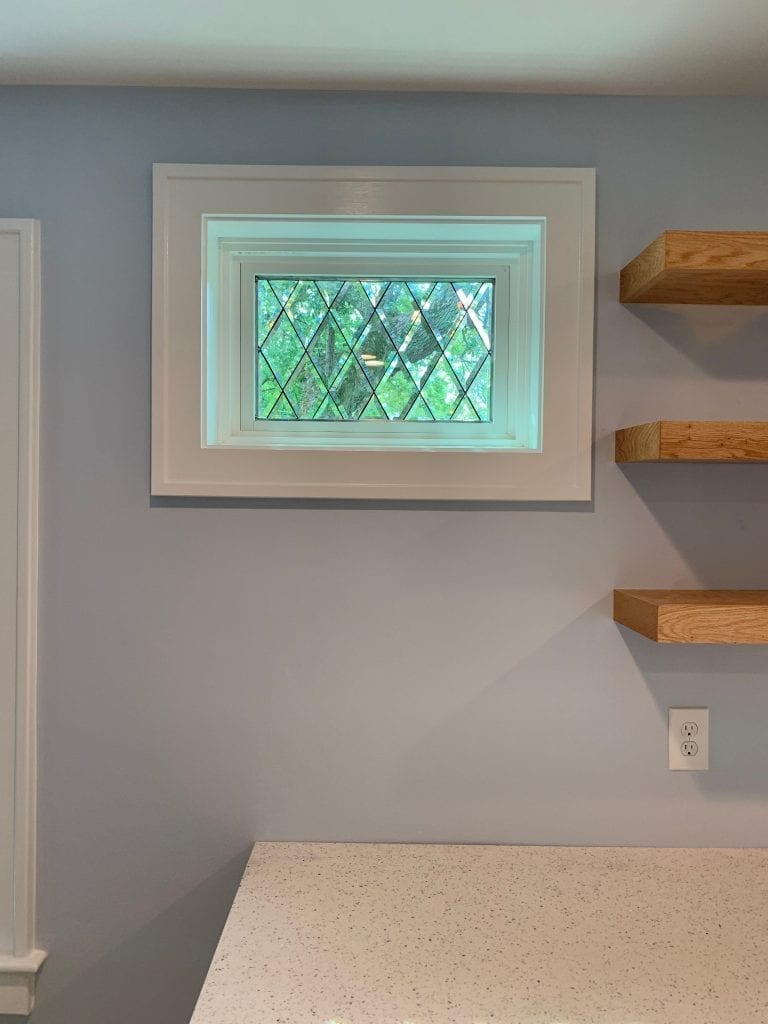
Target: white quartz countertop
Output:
[(326, 933)]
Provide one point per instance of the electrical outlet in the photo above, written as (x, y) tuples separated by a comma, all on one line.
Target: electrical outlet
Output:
[(687, 754)]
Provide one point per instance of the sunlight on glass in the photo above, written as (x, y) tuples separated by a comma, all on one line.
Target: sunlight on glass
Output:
[(360, 349)]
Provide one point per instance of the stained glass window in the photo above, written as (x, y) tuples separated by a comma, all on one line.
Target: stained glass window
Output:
[(374, 349)]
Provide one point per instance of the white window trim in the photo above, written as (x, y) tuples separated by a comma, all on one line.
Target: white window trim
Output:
[(184, 463), (19, 374)]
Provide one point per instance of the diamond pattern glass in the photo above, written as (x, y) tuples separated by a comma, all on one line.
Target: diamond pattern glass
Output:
[(384, 349)]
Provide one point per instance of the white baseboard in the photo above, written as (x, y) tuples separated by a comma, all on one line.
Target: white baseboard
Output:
[(18, 975)]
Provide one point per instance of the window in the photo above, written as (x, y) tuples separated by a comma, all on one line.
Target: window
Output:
[(354, 349), (373, 332), (382, 333)]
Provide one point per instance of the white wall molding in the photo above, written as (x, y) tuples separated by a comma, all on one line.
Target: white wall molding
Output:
[(19, 417), (202, 210)]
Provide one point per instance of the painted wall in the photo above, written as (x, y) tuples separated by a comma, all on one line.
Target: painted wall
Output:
[(213, 673)]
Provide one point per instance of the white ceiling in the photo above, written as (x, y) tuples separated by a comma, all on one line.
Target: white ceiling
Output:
[(578, 46)]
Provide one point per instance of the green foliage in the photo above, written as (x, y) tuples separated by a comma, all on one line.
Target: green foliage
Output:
[(374, 349)]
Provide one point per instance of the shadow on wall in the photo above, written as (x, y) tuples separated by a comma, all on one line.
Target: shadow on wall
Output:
[(730, 681), (154, 976), (726, 342), (526, 759), (534, 750), (714, 516)]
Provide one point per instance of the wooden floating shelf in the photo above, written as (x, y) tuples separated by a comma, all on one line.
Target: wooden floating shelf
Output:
[(695, 616), (709, 268), (694, 441)]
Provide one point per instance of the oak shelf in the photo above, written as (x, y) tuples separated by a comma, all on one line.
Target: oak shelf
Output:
[(719, 268), (694, 616), (694, 441)]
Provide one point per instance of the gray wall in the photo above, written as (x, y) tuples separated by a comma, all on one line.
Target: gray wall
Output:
[(213, 673)]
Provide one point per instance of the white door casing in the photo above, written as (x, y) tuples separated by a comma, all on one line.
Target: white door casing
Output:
[(19, 416)]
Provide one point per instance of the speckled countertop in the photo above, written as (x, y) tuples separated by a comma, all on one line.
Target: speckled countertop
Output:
[(414, 934)]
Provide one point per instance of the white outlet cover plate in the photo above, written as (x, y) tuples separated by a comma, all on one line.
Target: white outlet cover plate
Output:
[(689, 725)]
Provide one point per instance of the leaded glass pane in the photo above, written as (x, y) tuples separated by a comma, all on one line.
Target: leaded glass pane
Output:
[(384, 349)]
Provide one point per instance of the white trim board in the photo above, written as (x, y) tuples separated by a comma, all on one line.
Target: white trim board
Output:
[(191, 347), (19, 416)]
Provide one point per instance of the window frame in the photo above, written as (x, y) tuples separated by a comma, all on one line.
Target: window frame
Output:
[(197, 452), (374, 433), (515, 406), (509, 248)]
